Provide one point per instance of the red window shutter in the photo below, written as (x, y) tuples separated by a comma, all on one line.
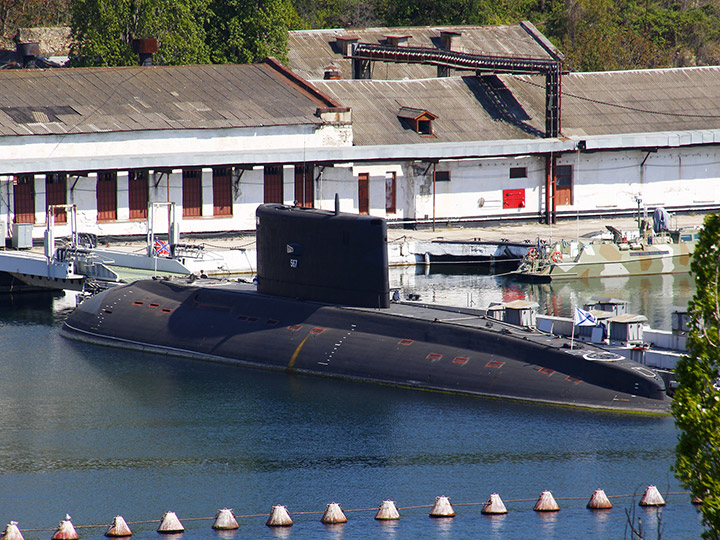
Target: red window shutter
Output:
[(24, 198), (304, 186), (273, 184), (364, 193), (56, 194), (138, 194), (222, 192), (390, 192), (107, 196), (192, 193)]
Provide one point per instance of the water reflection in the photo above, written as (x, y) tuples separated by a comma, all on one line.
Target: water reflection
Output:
[(652, 296)]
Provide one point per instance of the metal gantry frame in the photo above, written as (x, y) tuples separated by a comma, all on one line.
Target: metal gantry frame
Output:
[(364, 53)]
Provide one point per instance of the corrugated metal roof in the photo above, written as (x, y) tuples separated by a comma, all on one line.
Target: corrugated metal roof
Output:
[(637, 101), (311, 51), (467, 108), (513, 107), (86, 100)]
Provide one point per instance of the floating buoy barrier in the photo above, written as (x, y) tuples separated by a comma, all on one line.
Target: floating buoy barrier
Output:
[(442, 508), (170, 524), (599, 501), (387, 511), (333, 514), (546, 503), (12, 532), (279, 517), (494, 505), (119, 528), (65, 530), (225, 520), (652, 497)]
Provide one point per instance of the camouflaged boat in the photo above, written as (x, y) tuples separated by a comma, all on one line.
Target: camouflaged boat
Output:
[(669, 252)]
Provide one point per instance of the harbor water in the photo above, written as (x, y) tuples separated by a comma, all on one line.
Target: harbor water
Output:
[(94, 432)]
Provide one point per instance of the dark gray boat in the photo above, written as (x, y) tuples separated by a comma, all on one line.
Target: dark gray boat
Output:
[(322, 308)]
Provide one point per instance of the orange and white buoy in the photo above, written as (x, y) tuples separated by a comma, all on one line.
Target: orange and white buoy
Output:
[(494, 506), (12, 532), (279, 517), (652, 497), (65, 530), (599, 501), (333, 514), (546, 503), (442, 508), (170, 524), (225, 520), (118, 529), (387, 511)]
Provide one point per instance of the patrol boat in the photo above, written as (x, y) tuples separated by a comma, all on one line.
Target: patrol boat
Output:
[(322, 307), (641, 252)]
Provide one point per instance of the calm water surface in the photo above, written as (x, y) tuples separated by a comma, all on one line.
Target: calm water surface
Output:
[(96, 432)]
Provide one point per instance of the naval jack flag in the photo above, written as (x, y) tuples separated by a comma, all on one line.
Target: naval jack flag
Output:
[(581, 318), (584, 318)]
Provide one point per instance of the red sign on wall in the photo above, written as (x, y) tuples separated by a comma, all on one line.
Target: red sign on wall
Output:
[(513, 198)]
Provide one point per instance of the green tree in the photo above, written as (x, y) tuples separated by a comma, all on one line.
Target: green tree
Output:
[(244, 31), (28, 13), (103, 31), (696, 406)]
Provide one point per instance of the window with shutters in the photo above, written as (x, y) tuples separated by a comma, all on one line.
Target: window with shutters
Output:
[(56, 194), (364, 193), (222, 191), (107, 195), (304, 186), (138, 194), (24, 198), (390, 192), (273, 184), (192, 193)]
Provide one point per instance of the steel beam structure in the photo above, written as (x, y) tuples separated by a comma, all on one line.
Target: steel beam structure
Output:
[(551, 68)]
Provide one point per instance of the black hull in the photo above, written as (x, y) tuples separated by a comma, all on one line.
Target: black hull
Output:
[(449, 350)]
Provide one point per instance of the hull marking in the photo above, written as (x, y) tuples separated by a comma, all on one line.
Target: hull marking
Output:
[(291, 364)]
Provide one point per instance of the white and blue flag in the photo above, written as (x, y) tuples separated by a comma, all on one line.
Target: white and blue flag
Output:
[(584, 318)]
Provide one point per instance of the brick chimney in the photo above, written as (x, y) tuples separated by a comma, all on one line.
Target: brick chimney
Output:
[(145, 48)]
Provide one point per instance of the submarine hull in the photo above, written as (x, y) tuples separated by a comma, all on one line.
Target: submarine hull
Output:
[(428, 347)]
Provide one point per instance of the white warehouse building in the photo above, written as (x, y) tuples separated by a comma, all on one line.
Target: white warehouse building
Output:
[(415, 148)]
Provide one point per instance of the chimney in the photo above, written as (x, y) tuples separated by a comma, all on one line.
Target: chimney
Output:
[(397, 41), (447, 38), (344, 43), (145, 49), (27, 54)]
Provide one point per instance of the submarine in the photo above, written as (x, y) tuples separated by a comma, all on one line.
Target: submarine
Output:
[(322, 307)]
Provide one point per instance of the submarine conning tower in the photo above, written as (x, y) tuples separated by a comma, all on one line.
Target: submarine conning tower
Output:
[(313, 254)]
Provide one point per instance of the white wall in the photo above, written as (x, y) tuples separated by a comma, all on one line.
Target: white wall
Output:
[(604, 181)]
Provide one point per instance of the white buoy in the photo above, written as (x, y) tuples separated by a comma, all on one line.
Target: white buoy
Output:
[(546, 503), (12, 532), (279, 517), (170, 524), (65, 530), (333, 514), (225, 520), (442, 508), (697, 501), (495, 505), (119, 528), (599, 501), (652, 497), (387, 511)]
